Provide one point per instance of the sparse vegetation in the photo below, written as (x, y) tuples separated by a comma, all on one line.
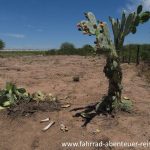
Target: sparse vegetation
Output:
[(128, 52), (12, 95), (19, 99)]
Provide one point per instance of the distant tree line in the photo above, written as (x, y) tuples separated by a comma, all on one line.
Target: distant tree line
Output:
[(128, 53), (69, 49)]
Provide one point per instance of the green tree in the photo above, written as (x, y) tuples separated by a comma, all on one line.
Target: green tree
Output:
[(50, 52), (2, 44), (87, 49), (66, 48)]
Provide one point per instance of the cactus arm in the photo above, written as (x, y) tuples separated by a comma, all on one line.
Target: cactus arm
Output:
[(144, 17), (91, 17), (87, 27), (128, 23), (114, 28), (98, 29), (123, 20)]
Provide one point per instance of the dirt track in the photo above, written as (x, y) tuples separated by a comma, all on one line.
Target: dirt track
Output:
[(53, 74)]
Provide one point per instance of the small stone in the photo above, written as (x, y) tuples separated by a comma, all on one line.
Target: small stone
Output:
[(76, 78), (63, 128)]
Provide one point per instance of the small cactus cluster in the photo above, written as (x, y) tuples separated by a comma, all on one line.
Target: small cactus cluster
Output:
[(12, 95)]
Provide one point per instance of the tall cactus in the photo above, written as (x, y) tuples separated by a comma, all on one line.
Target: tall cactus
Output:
[(121, 28)]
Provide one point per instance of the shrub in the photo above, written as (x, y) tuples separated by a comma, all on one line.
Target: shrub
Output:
[(2, 44)]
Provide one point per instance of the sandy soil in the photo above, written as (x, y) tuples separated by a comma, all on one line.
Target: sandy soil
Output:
[(53, 74)]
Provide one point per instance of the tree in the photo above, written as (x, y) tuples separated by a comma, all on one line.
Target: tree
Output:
[(113, 102), (87, 49), (2, 44), (67, 45), (66, 48), (50, 52)]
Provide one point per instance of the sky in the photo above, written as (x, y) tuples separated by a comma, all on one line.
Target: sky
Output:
[(46, 24)]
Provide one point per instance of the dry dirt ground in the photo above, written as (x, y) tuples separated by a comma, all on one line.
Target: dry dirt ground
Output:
[(53, 74)]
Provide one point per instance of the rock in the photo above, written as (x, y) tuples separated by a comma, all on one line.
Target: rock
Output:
[(76, 78)]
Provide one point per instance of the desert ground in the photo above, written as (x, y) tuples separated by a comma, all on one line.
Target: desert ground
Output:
[(53, 74)]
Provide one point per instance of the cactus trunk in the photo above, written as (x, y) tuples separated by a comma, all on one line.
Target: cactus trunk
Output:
[(113, 72)]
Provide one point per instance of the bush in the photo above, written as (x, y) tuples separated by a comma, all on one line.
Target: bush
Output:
[(66, 49), (51, 52), (2, 44)]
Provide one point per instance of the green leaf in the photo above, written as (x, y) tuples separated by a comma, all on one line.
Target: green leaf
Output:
[(139, 9), (9, 86), (11, 98)]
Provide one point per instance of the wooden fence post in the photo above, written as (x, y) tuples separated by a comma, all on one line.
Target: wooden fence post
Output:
[(129, 59), (138, 55)]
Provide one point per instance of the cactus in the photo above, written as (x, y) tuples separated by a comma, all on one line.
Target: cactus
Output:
[(128, 24), (121, 28), (11, 95)]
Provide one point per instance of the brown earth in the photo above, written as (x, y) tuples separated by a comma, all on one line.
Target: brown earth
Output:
[(53, 74)]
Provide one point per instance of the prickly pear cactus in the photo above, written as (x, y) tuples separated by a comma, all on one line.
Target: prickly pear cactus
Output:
[(97, 28), (121, 28)]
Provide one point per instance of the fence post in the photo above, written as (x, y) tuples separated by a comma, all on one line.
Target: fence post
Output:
[(138, 55), (129, 59)]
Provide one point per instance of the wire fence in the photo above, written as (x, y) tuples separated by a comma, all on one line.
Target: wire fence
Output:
[(135, 55)]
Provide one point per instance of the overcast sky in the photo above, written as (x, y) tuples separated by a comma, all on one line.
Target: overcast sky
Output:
[(48, 23)]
